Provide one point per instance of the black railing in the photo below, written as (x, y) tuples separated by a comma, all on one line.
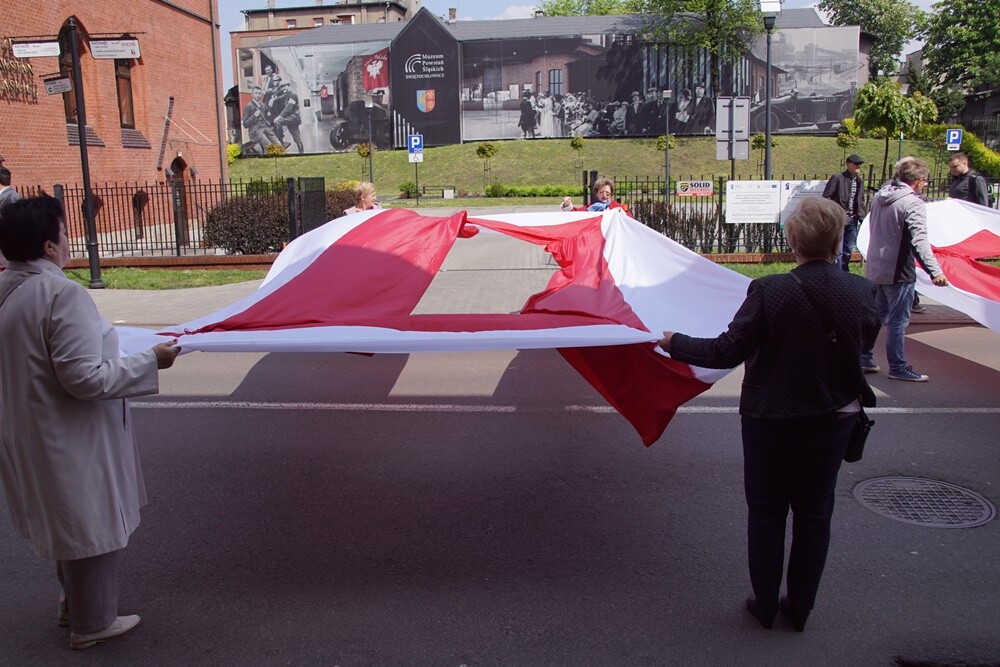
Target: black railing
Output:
[(155, 219)]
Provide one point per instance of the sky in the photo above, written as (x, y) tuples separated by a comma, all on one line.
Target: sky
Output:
[(230, 17)]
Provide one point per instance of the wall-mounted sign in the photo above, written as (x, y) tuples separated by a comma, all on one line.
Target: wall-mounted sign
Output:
[(35, 49), (60, 85), (695, 188), (111, 49)]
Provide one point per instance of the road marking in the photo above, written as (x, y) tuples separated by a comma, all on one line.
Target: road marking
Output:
[(457, 407)]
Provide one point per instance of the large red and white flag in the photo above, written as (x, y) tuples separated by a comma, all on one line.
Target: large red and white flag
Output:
[(960, 234), (375, 70), (352, 285)]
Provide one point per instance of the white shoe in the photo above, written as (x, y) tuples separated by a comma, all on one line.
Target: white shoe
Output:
[(121, 625)]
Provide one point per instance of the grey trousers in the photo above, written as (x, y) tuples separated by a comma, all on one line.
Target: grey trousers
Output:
[(90, 591)]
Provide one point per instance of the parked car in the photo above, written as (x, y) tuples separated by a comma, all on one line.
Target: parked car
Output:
[(352, 126), (794, 110)]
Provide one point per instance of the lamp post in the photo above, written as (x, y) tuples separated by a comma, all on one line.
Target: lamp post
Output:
[(770, 10), (369, 103), (666, 145)]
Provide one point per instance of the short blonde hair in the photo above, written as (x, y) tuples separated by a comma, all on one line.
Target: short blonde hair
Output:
[(363, 189), (814, 229)]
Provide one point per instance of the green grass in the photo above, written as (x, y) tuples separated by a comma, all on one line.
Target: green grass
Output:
[(553, 162), (160, 279)]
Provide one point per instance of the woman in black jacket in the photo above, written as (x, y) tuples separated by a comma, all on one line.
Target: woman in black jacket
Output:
[(801, 335)]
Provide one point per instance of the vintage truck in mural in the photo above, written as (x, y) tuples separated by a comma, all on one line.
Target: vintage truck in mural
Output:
[(351, 126), (794, 111)]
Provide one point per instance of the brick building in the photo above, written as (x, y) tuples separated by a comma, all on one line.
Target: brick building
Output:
[(149, 118)]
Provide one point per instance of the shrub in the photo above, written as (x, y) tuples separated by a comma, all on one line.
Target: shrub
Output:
[(275, 150), (249, 225), (339, 200), (233, 151), (408, 190)]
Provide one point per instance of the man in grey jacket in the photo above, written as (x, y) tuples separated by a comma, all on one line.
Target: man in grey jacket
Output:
[(898, 233)]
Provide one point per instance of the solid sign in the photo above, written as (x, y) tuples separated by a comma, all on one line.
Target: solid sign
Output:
[(35, 49), (695, 188), (60, 85), (415, 145), (111, 49), (953, 137), (752, 202)]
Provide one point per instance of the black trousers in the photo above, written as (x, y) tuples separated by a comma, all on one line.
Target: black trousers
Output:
[(791, 463), (90, 590)]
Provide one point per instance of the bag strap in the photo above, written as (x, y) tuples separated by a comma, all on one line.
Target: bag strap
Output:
[(853, 366)]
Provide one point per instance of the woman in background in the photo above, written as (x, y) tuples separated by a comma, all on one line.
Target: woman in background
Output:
[(366, 199)]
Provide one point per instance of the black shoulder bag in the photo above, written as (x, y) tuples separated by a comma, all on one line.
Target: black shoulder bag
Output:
[(862, 424)]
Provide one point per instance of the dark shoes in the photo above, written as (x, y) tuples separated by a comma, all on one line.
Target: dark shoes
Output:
[(764, 616), (918, 308), (796, 616)]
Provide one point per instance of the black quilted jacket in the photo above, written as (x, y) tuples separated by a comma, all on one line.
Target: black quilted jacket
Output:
[(792, 368)]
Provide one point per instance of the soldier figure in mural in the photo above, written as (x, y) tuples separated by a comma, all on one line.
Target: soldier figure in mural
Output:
[(287, 114), (270, 83), (527, 120), (256, 120)]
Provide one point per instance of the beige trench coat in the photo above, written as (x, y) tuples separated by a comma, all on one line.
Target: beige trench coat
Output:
[(68, 461)]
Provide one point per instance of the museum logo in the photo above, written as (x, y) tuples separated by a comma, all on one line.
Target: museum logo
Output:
[(424, 66)]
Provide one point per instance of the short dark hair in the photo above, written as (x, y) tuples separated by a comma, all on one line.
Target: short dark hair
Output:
[(25, 226), (4, 176)]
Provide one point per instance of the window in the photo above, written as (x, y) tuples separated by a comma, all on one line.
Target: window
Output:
[(318, 22), (66, 69), (538, 82), (555, 82), (290, 23), (123, 81)]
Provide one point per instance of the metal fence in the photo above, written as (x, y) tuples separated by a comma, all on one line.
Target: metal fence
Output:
[(162, 219), (699, 222)]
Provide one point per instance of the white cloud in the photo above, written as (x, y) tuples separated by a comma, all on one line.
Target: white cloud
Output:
[(517, 12)]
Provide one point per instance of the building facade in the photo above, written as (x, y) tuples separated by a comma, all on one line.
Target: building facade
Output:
[(151, 75)]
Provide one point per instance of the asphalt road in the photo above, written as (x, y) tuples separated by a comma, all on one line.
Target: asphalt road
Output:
[(489, 508)]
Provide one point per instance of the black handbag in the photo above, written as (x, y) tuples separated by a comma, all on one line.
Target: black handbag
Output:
[(856, 443), (862, 424)]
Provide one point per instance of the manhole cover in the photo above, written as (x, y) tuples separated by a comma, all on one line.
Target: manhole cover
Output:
[(925, 502)]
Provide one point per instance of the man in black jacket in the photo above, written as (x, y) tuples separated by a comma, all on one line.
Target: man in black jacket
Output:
[(965, 183), (846, 189)]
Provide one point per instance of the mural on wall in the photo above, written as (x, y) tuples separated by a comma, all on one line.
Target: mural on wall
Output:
[(312, 99), (816, 72)]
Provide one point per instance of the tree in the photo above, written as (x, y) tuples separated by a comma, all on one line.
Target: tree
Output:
[(758, 142), (576, 143), (881, 105), (724, 28), (891, 22), (963, 44), (486, 151)]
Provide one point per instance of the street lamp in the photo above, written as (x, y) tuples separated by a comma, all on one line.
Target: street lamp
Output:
[(770, 10), (369, 103), (666, 146)]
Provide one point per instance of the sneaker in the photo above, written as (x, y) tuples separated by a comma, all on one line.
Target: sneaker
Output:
[(907, 373), (121, 625), (870, 367), (918, 308)]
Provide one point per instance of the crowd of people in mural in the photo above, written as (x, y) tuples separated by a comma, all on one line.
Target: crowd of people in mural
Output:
[(543, 115)]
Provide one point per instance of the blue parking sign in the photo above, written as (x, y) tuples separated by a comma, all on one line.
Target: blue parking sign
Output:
[(415, 143), (953, 137)]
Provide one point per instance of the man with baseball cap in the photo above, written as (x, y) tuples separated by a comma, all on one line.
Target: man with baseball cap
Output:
[(847, 190)]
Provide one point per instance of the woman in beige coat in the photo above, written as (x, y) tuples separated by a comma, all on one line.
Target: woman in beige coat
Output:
[(68, 460)]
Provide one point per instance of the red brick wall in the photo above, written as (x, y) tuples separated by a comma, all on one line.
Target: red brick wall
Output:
[(177, 61)]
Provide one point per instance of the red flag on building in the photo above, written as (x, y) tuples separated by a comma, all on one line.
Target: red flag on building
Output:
[(376, 70)]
